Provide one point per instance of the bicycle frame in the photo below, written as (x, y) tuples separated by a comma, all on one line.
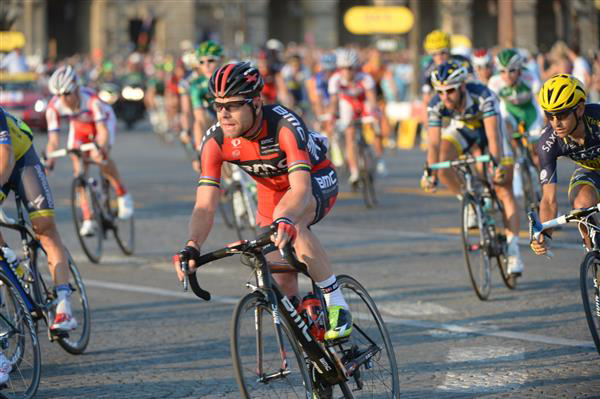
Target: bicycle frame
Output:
[(30, 245)]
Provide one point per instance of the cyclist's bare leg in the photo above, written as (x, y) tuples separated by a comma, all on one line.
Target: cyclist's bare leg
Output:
[(350, 150), (584, 196), (448, 177), (85, 207), (45, 230), (109, 170), (506, 196)]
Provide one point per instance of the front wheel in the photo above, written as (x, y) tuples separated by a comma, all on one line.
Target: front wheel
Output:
[(589, 281), (262, 368), (476, 247), (378, 376), (85, 206), (18, 343), (366, 163)]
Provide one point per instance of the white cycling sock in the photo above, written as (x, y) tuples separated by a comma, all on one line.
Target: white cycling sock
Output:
[(64, 305), (332, 293)]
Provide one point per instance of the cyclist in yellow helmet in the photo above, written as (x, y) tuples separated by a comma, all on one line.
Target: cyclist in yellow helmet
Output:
[(573, 131)]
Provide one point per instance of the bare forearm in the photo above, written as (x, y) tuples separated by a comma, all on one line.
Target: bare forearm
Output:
[(200, 225), (102, 136), (292, 206), (53, 142)]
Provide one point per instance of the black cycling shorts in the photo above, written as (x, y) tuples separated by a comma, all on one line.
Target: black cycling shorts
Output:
[(585, 176), (28, 179)]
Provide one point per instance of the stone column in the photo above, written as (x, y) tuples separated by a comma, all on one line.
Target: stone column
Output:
[(256, 16), (321, 22), (34, 27), (587, 20), (525, 24), (98, 26), (456, 17)]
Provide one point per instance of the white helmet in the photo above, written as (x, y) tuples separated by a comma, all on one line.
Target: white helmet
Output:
[(347, 58), (63, 80)]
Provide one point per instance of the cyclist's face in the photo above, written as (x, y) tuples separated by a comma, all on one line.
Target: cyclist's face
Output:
[(484, 72), (450, 97), (235, 114), (208, 65), (347, 73), (564, 123), (440, 57), (71, 99), (510, 76)]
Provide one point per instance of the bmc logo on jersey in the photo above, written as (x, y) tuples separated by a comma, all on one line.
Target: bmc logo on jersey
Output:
[(288, 116), (266, 169), (327, 181)]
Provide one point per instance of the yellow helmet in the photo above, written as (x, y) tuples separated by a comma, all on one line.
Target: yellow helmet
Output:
[(436, 41), (561, 92)]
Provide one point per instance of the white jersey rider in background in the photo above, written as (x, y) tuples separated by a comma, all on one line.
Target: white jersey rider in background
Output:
[(90, 120), (352, 97), (483, 64)]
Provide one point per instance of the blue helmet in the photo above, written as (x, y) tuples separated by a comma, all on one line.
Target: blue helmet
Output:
[(449, 74)]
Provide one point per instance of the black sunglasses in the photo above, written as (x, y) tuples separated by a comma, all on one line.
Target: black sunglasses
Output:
[(560, 115), (447, 91), (68, 93), (231, 105), (207, 61)]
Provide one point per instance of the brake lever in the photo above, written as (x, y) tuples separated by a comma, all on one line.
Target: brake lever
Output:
[(185, 268)]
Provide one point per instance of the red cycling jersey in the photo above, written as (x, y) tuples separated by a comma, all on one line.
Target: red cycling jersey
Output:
[(284, 145)]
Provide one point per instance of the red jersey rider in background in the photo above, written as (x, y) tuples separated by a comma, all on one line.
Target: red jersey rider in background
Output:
[(90, 120)]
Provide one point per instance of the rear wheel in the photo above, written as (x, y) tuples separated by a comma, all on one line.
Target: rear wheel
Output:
[(18, 343), (83, 198), (530, 194), (589, 282), (257, 360), (76, 341), (476, 247), (123, 229)]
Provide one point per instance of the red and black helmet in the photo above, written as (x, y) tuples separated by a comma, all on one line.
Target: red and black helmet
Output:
[(236, 79)]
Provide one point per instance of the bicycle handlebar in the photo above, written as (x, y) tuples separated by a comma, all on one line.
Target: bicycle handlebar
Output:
[(460, 162), (239, 247), (77, 151), (536, 227)]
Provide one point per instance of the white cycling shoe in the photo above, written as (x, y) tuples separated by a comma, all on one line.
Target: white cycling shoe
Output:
[(515, 263), (471, 218), (5, 369), (64, 322), (381, 168), (88, 228), (125, 205)]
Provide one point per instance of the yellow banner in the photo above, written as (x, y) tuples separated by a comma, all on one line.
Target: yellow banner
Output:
[(368, 20), (11, 40)]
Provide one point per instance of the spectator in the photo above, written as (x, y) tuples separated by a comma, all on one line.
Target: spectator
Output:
[(14, 62), (581, 68)]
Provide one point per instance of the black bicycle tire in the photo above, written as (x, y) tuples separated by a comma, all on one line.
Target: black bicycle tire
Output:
[(594, 327), (30, 327), (80, 182), (366, 175), (467, 200), (126, 247), (248, 300), (529, 196), (42, 296), (226, 208), (348, 281), (509, 281)]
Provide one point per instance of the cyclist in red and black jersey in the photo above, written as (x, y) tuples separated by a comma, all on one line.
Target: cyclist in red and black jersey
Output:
[(297, 184)]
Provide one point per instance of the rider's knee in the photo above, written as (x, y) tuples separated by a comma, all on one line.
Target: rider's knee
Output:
[(44, 226), (586, 196)]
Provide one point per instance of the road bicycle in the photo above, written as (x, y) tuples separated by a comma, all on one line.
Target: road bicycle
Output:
[(278, 350), (483, 238), (92, 192), (32, 278), (589, 271), (525, 169), (365, 159), (18, 341), (238, 203)]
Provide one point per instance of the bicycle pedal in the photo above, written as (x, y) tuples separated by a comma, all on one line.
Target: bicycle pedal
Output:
[(55, 335)]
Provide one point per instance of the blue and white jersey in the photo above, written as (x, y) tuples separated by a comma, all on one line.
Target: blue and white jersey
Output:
[(481, 103)]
